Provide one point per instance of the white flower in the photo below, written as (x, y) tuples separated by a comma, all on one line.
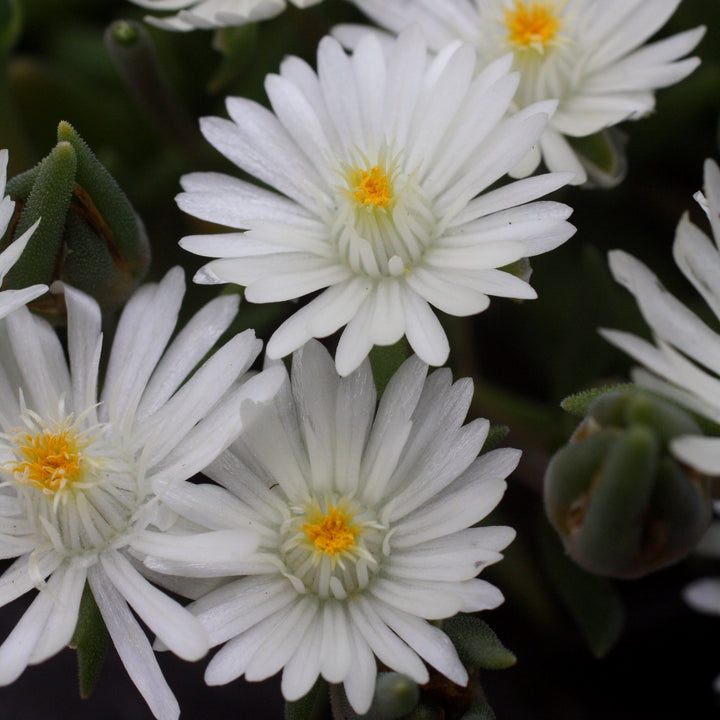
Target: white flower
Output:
[(208, 14), (684, 362), (78, 470), (11, 299), (366, 524), (585, 53), (380, 160)]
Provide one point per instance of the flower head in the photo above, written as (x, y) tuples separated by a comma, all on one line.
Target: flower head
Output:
[(587, 54), (683, 363), (380, 161), (82, 474), (367, 529), (207, 14), (11, 299)]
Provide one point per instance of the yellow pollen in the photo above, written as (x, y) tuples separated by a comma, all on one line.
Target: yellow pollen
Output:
[(52, 460), (332, 534), (532, 25), (372, 187)]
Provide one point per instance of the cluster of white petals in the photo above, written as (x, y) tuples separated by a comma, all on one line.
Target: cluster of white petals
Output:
[(587, 54), (11, 299), (383, 162), (81, 471), (209, 14), (683, 362), (367, 520)]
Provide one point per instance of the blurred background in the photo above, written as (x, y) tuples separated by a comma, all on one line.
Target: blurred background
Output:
[(586, 648)]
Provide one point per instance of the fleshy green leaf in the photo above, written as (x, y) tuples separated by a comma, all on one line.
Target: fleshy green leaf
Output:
[(480, 711), (593, 602), (90, 641), (476, 643), (50, 199), (385, 360), (496, 435), (314, 706), (579, 403)]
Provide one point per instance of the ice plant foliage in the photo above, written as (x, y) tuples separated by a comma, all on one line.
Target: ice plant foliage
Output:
[(208, 14), (11, 299), (683, 363), (81, 472), (367, 529), (381, 160), (587, 54)]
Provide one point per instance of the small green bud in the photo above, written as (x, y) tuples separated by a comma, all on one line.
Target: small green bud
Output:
[(621, 503), (89, 237)]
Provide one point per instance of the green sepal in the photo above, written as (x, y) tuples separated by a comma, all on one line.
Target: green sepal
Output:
[(50, 199), (477, 644), (90, 640), (579, 403), (385, 361), (479, 711), (313, 706), (496, 434), (109, 211)]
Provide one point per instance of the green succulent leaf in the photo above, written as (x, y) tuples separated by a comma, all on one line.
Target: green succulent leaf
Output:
[(314, 706), (477, 644), (90, 641)]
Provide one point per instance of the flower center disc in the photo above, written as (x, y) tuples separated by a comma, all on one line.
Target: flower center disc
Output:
[(332, 534), (51, 460), (532, 25), (371, 187)]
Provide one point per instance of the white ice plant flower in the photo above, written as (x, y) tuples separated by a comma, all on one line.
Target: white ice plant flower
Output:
[(11, 299), (587, 54), (380, 161), (683, 363), (209, 14), (367, 524), (81, 472)]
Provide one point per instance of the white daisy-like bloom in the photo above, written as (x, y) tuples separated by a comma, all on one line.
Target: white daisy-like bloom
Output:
[(683, 363), (380, 161), (11, 299), (209, 14), (80, 470), (367, 529), (587, 54)]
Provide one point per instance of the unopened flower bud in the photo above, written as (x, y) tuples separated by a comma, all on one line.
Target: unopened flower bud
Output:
[(90, 236), (622, 504)]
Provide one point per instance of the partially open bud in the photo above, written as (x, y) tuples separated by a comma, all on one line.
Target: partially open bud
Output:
[(623, 506), (90, 236)]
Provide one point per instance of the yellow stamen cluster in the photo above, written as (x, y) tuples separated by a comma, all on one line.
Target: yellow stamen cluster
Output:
[(51, 460), (333, 533), (532, 25), (372, 187)]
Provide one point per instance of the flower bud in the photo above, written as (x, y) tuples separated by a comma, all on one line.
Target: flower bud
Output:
[(623, 506), (90, 236)]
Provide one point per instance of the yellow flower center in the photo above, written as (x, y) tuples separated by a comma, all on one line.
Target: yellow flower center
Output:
[(332, 533), (50, 460), (371, 187), (532, 25)]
